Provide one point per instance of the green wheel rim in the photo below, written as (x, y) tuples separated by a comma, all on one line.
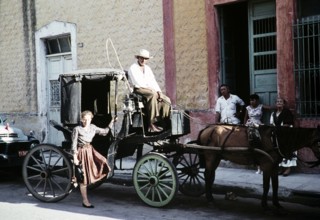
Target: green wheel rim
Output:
[(155, 180), (47, 173)]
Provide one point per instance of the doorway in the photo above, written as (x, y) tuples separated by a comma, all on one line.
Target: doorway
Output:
[(248, 50), (234, 49), (56, 52)]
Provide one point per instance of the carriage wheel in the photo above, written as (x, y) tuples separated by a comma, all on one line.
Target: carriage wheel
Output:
[(155, 179), (190, 174), (47, 173)]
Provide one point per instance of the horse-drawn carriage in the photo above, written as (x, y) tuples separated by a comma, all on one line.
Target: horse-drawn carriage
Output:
[(170, 165), (48, 169)]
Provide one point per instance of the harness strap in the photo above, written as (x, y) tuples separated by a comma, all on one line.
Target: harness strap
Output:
[(225, 140)]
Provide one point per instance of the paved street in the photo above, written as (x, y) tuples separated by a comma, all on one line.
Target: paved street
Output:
[(114, 201)]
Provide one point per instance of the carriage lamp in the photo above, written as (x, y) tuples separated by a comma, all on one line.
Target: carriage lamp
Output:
[(31, 132), (128, 107), (128, 104)]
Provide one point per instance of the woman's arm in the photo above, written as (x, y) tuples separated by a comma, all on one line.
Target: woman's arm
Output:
[(268, 107), (245, 117), (74, 147), (105, 131)]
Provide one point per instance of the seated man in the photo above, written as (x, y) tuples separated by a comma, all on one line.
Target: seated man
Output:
[(144, 83)]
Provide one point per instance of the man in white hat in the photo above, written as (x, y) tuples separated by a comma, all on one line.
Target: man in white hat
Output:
[(144, 83)]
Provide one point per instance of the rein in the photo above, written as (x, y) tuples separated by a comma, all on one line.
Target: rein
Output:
[(276, 145)]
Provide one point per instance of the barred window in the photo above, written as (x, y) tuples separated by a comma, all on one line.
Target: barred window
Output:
[(307, 66), (264, 43), (55, 93)]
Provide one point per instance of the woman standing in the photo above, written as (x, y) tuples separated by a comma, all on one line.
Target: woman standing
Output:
[(254, 111), (95, 166), (253, 115), (283, 117)]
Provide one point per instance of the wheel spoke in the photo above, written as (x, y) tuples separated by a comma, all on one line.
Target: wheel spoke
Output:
[(191, 179), (47, 173), (158, 186)]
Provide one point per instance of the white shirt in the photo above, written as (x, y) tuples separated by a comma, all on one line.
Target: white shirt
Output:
[(227, 108), (255, 115), (144, 79)]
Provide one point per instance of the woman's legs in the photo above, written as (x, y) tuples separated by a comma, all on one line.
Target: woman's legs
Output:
[(84, 194)]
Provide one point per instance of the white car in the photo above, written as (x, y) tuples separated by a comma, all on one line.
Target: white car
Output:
[(14, 144)]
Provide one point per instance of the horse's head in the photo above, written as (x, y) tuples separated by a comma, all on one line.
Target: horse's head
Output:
[(292, 139)]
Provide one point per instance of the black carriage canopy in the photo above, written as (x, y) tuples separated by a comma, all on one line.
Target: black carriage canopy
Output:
[(87, 90)]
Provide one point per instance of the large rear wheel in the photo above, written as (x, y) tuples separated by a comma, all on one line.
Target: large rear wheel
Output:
[(47, 173), (190, 173), (155, 179)]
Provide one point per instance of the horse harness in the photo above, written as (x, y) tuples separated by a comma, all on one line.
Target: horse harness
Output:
[(225, 140)]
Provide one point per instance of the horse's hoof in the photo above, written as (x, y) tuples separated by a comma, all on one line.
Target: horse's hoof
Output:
[(267, 210), (210, 199), (277, 205), (280, 211), (264, 205)]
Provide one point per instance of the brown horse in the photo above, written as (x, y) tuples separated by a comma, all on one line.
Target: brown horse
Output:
[(230, 142)]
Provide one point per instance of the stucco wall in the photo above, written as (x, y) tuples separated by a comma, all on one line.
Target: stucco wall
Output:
[(191, 54), (16, 66), (130, 25)]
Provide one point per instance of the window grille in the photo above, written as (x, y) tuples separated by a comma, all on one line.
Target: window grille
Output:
[(264, 43), (55, 93), (307, 66)]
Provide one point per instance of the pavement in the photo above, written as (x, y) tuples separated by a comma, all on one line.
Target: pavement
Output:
[(296, 188)]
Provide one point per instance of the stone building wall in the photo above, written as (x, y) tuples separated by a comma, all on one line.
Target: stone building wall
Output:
[(191, 54), (16, 59), (130, 25)]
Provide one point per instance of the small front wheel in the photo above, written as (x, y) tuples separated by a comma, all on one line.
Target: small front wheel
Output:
[(47, 173), (155, 179)]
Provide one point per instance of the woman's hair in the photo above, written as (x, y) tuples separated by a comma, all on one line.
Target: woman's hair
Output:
[(254, 97), (86, 112), (284, 101)]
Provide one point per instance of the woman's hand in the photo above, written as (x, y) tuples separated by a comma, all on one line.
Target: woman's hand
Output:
[(160, 99), (75, 160)]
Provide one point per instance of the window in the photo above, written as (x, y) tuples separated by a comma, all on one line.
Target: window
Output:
[(307, 61), (264, 43), (58, 45)]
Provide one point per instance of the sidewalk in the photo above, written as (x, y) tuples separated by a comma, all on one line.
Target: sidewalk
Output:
[(296, 188)]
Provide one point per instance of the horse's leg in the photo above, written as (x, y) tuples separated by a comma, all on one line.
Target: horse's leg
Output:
[(212, 163), (275, 187), (266, 187)]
